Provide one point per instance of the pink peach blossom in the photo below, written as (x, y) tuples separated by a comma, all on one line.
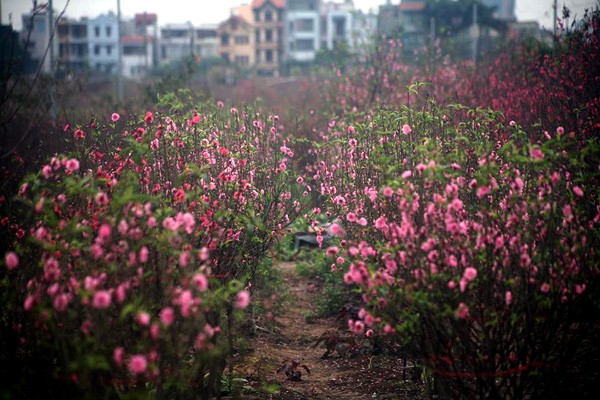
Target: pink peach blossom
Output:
[(470, 273), (143, 318), (138, 364), (201, 282), (167, 316), (72, 165), (462, 311), (545, 288), (118, 355), (102, 299), (243, 299), (11, 260), (508, 297)]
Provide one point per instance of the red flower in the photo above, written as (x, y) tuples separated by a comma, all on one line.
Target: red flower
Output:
[(148, 118), (179, 196)]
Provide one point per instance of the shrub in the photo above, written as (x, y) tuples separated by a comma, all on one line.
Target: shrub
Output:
[(471, 245), (139, 250)]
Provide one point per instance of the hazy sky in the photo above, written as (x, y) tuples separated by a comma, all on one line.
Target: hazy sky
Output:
[(214, 11)]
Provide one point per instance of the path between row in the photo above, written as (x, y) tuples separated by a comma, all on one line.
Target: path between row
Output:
[(361, 376)]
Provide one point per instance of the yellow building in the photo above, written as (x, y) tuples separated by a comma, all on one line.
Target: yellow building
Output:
[(268, 35), (236, 41)]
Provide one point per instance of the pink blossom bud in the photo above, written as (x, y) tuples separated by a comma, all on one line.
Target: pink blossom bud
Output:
[(243, 299), (138, 364), (12, 260)]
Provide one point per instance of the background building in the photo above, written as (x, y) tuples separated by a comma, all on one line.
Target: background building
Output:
[(268, 35), (236, 41), (388, 20), (35, 36), (414, 24), (302, 30), (337, 22), (205, 42), (137, 57), (73, 48), (504, 9), (103, 42), (176, 42)]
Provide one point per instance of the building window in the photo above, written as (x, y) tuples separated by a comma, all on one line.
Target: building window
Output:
[(97, 31), (256, 16), (268, 15), (242, 60), (96, 50), (242, 39), (225, 57), (257, 36), (269, 56), (108, 50), (304, 45), (257, 55), (340, 26), (225, 39), (305, 25), (108, 31), (269, 35)]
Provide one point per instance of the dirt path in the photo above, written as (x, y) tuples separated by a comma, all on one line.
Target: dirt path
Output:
[(360, 376)]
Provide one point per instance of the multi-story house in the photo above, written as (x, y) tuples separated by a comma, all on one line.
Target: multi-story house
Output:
[(503, 9), (205, 41), (268, 35), (236, 41), (388, 20), (146, 25), (137, 57), (414, 24), (302, 30), (364, 31), (73, 49), (337, 22), (176, 42), (103, 43), (35, 36)]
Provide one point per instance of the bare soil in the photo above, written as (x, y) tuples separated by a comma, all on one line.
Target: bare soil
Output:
[(362, 375)]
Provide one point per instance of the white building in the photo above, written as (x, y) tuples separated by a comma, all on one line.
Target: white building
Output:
[(139, 41), (303, 30), (138, 51), (205, 41), (35, 37), (176, 42), (503, 9), (364, 31), (338, 20), (103, 36)]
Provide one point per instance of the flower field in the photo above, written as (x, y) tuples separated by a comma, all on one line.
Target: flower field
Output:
[(465, 208)]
